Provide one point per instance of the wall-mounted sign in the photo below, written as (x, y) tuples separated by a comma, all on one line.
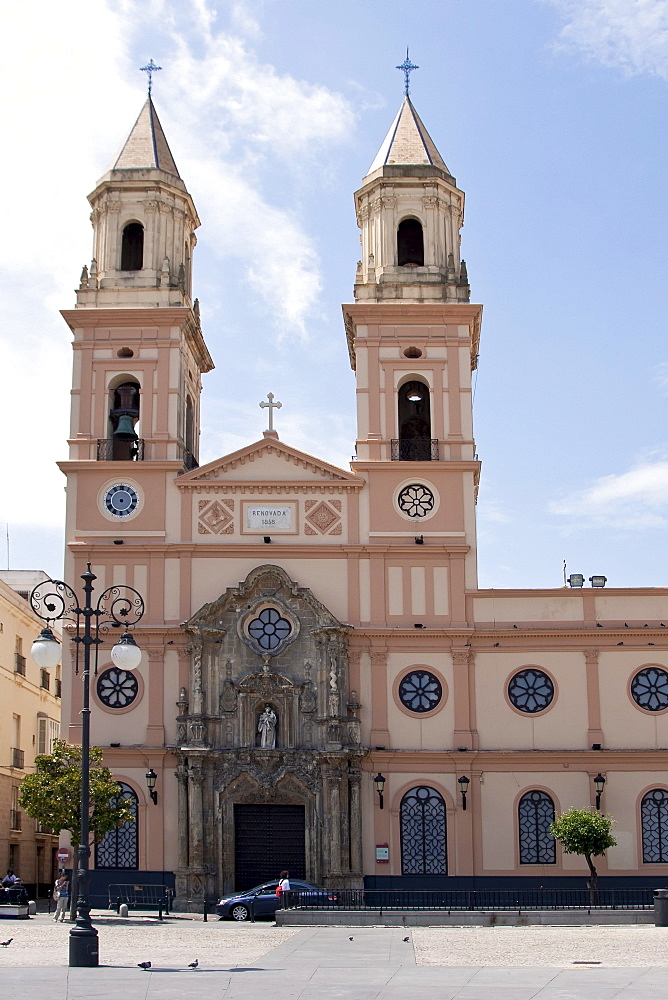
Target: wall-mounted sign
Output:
[(382, 854), (269, 518)]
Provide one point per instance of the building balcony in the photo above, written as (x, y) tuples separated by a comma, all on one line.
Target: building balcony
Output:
[(414, 449), (113, 450), (17, 757), (19, 664)]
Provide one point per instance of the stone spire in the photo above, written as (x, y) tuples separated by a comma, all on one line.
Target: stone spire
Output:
[(408, 143), (146, 146)]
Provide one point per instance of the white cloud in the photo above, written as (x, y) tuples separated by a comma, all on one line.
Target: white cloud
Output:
[(634, 499), (631, 35)]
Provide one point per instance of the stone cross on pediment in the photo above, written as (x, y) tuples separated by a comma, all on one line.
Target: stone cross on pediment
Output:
[(271, 406)]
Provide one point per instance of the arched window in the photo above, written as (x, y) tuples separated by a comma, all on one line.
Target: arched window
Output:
[(423, 835), (120, 847), (414, 422), (537, 845), (654, 821), (132, 249), (410, 244)]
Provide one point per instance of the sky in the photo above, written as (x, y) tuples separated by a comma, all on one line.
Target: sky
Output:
[(551, 114)]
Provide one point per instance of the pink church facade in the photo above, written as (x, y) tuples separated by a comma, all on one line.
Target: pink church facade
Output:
[(344, 601)]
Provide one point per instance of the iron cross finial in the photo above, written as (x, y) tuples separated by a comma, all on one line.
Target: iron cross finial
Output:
[(407, 68), (150, 68), (271, 405)]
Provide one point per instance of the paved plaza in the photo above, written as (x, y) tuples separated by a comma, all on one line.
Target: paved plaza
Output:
[(258, 961)]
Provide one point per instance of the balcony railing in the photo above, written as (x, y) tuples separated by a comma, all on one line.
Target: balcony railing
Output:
[(18, 757), (14, 819), (45, 680), (19, 664), (113, 450), (414, 450)]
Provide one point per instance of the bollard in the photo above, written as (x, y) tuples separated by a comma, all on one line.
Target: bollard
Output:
[(118, 904), (661, 907), (123, 910), (205, 917), (32, 907), (160, 909)]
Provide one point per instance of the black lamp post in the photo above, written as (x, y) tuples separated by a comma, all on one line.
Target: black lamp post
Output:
[(463, 783), (599, 782), (54, 600), (379, 783), (151, 777)]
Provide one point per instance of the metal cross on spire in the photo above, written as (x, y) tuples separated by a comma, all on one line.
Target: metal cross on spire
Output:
[(271, 405), (150, 68), (407, 68)]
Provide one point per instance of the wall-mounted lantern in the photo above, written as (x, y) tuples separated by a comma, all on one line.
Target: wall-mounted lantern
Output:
[(151, 778), (379, 784), (463, 783), (599, 782)]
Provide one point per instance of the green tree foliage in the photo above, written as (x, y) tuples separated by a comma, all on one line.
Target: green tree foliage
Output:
[(52, 795), (585, 832)]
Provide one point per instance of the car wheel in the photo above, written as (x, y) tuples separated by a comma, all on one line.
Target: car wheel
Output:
[(240, 912)]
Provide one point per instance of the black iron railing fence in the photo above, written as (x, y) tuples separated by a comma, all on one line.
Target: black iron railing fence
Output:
[(472, 899), (414, 449), (140, 897)]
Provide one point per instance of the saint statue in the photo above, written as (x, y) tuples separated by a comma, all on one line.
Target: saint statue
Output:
[(267, 728)]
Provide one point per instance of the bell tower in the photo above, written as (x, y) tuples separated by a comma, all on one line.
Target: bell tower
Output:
[(138, 346), (413, 340)]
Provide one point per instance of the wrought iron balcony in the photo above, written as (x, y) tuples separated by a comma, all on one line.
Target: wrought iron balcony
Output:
[(14, 819), (19, 664), (113, 450), (414, 449), (18, 757)]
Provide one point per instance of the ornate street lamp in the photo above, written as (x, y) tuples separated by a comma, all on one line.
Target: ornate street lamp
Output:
[(463, 783), (118, 606)]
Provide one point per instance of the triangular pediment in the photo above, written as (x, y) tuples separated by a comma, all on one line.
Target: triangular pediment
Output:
[(268, 461)]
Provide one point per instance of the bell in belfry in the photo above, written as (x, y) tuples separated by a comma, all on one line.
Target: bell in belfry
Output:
[(126, 411), (125, 431)]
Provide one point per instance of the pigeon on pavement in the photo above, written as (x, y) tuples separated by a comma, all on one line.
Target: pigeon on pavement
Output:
[(144, 965), (193, 965), (5, 943)]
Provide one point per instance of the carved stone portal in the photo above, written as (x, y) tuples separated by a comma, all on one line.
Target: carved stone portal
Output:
[(269, 721)]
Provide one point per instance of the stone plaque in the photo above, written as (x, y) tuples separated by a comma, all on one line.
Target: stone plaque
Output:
[(270, 517)]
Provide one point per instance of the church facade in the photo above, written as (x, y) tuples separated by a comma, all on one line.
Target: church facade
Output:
[(310, 628)]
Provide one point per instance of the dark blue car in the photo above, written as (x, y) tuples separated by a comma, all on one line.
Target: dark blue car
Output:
[(262, 901)]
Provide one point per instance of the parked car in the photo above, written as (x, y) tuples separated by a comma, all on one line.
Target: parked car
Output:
[(262, 901)]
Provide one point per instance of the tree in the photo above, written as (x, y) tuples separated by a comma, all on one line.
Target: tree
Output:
[(52, 796), (585, 832)]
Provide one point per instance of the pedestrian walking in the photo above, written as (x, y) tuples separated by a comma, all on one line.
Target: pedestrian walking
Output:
[(283, 883), (61, 893)]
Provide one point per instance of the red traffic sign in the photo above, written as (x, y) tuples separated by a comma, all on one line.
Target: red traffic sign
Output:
[(64, 855)]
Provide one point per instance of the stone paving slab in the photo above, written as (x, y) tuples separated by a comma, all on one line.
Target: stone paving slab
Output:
[(262, 962)]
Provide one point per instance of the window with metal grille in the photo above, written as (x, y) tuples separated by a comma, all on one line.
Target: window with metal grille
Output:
[(423, 833), (654, 822), (120, 847), (536, 814)]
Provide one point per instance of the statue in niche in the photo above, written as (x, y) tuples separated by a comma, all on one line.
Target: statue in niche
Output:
[(267, 728)]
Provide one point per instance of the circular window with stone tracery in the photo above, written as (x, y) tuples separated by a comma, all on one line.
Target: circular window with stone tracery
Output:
[(269, 629)]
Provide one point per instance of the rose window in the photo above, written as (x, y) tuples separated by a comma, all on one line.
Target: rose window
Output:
[(117, 688), (416, 500), (269, 629), (420, 691), (531, 690), (649, 689)]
